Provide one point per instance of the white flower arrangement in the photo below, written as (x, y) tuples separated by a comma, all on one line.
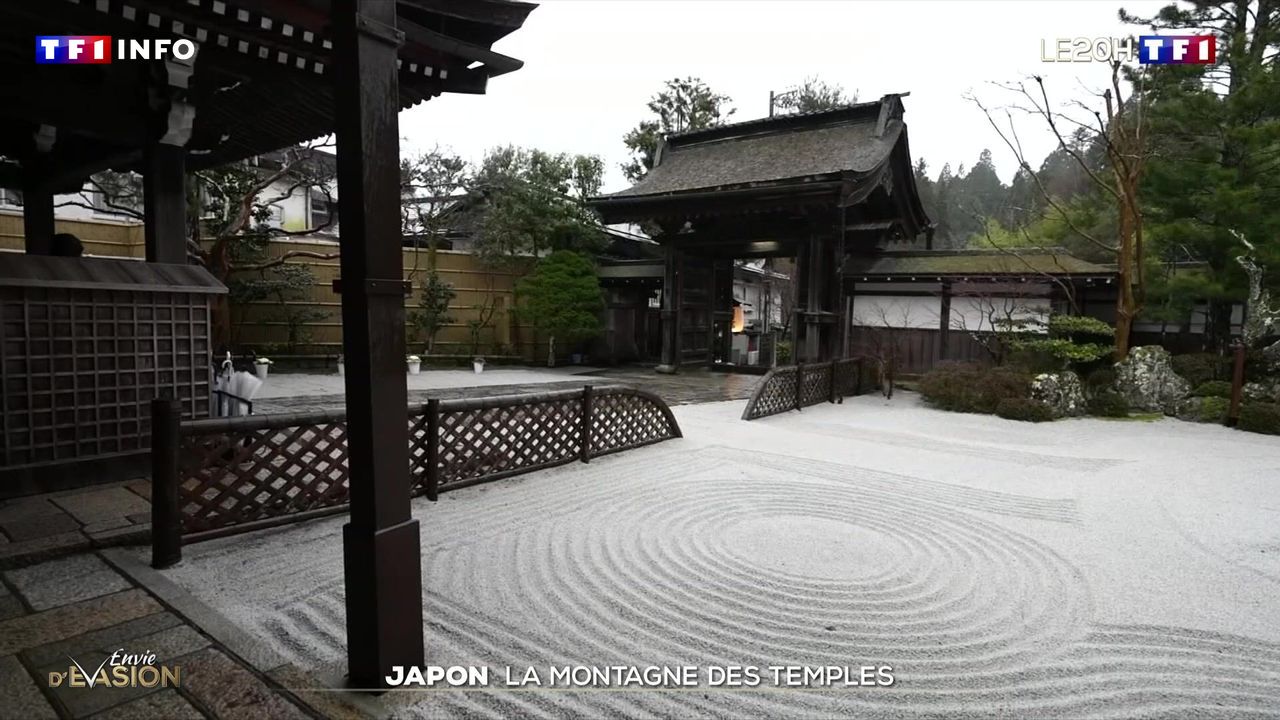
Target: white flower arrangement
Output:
[(413, 359), (263, 361)]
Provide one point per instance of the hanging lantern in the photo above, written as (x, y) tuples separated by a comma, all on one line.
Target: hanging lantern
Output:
[(739, 319)]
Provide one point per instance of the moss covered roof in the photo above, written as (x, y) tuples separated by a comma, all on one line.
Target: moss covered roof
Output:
[(1040, 261)]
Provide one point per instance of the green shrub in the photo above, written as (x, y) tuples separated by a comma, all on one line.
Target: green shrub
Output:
[(972, 388), (1024, 409), (1205, 409), (1213, 389), (1108, 403), (783, 350), (1100, 379), (1079, 326), (1200, 368), (1260, 417)]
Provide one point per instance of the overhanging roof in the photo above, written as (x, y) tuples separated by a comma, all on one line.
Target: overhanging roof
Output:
[(930, 264), (262, 78), (836, 157)]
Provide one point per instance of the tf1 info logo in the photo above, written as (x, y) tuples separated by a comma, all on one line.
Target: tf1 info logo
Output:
[(97, 49), (1148, 50)]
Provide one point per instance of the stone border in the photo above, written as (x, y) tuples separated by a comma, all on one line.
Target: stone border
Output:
[(301, 686)]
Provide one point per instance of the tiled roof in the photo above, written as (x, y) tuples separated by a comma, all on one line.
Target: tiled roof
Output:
[(923, 263), (761, 151)]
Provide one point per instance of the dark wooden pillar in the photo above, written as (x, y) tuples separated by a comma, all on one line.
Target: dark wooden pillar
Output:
[(37, 217), (944, 323), (813, 306), (713, 305), (164, 200), (671, 310), (381, 554)]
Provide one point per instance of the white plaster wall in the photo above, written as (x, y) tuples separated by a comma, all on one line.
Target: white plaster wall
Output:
[(976, 313), (897, 311)]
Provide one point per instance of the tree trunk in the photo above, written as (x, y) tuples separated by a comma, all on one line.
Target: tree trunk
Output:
[(551, 351)]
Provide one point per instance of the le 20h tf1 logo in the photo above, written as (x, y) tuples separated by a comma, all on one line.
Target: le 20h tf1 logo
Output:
[(1148, 50)]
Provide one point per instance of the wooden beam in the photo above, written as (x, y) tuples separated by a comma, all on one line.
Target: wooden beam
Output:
[(381, 551), (37, 217), (164, 199)]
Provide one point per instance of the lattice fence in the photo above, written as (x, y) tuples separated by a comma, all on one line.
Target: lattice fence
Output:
[(791, 387), (240, 474)]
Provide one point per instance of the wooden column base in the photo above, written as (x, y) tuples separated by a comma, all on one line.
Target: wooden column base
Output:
[(384, 604)]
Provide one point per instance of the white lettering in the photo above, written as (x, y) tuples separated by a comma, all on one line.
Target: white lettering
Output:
[(1153, 47), (1179, 48), (184, 49), (74, 47), (50, 46)]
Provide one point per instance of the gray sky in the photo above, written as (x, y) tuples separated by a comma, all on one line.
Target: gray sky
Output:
[(590, 67)]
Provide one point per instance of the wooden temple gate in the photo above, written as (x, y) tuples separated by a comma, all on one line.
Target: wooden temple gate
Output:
[(816, 187)]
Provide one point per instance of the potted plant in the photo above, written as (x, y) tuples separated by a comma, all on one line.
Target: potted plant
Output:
[(477, 364), (261, 366), (342, 368), (415, 364)]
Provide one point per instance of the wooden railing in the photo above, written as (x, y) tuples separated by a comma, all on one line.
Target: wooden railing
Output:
[(222, 476), (791, 387)]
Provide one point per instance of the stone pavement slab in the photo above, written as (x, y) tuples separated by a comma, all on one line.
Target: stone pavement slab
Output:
[(168, 645), (61, 582), (163, 705), (29, 631), (100, 504), (19, 695), (230, 691), (91, 642)]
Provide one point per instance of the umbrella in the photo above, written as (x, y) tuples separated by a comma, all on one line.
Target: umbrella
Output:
[(241, 385)]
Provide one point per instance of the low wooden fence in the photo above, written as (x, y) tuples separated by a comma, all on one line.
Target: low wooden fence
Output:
[(223, 476), (791, 387)]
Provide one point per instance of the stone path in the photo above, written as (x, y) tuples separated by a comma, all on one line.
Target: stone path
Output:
[(44, 526), (82, 608), (690, 386)]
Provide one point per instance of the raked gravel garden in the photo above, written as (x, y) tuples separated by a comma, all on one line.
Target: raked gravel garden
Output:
[(1084, 567)]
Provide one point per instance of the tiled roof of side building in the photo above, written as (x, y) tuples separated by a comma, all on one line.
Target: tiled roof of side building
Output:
[(924, 263)]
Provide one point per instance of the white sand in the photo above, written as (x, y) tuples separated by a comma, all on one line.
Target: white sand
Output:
[(1080, 568), (286, 385)]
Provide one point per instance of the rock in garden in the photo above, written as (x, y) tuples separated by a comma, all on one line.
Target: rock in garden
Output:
[(1146, 379), (1266, 391), (1062, 392)]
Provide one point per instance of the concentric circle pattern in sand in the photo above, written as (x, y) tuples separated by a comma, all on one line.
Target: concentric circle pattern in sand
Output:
[(726, 557)]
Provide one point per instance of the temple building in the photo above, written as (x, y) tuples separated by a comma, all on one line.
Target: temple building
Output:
[(818, 187)]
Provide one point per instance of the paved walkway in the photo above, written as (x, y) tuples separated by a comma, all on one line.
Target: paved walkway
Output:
[(305, 392), (43, 526), (82, 609)]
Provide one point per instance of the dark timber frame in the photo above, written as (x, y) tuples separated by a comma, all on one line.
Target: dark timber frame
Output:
[(816, 187), (267, 74)]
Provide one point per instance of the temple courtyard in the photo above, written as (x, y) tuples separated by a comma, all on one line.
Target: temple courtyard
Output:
[(1079, 568)]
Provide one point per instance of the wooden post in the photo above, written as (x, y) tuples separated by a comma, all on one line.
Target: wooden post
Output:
[(433, 449), (381, 552), (1237, 385), (799, 384), (944, 323), (670, 313), (166, 518), (37, 218), (164, 199), (831, 385), (588, 416)]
